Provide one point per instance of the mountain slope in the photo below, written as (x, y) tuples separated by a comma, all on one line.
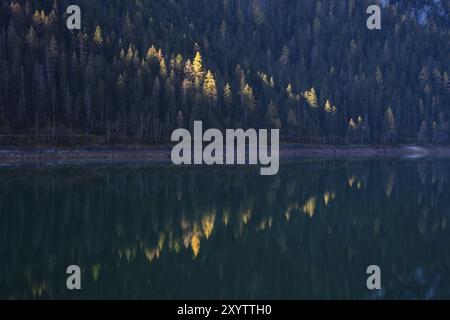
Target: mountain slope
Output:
[(140, 69)]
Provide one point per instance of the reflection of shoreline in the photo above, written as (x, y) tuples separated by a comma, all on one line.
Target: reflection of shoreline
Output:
[(161, 154)]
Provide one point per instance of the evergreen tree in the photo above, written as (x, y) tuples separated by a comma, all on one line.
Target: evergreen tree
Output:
[(389, 127)]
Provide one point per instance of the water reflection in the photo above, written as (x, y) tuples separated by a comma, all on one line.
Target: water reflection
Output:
[(165, 232)]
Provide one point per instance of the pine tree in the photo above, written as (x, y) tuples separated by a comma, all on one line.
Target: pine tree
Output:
[(445, 81), (98, 37), (180, 119), (209, 88), (272, 118), (284, 57), (311, 98), (329, 108), (228, 95), (379, 76), (389, 127), (228, 101), (31, 39), (197, 68), (248, 102), (351, 131), (422, 136), (258, 12), (292, 121), (163, 67), (424, 74)]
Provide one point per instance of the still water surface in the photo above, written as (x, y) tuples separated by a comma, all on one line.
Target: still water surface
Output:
[(160, 232)]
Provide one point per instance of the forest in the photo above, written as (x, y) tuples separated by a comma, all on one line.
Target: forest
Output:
[(139, 69)]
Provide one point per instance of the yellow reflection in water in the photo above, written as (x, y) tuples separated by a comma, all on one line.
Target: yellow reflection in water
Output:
[(310, 206), (265, 224), (195, 245), (351, 181), (38, 290), (326, 198), (389, 185), (226, 217), (208, 224), (246, 216), (96, 271)]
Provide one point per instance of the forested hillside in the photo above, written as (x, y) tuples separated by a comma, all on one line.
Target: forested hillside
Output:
[(139, 69)]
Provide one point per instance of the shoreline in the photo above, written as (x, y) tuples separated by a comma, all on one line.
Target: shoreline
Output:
[(161, 154)]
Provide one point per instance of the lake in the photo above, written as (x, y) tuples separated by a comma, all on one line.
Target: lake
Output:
[(164, 232)]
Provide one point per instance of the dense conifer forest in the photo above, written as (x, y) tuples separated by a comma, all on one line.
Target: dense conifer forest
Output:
[(139, 69)]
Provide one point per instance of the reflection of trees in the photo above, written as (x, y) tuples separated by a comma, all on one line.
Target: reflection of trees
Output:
[(162, 232)]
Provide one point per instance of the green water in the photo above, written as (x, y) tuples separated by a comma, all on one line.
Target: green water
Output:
[(161, 232)]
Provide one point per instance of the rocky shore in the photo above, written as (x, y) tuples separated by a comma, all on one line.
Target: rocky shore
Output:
[(161, 154)]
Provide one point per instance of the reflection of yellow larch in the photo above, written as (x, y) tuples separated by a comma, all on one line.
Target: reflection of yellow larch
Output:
[(352, 180), (96, 271), (287, 215), (38, 290), (288, 212), (195, 245), (226, 218), (151, 254), (184, 224), (208, 224), (389, 185), (310, 206), (246, 216), (262, 226), (128, 254), (177, 246), (326, 198), (162, 239)]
